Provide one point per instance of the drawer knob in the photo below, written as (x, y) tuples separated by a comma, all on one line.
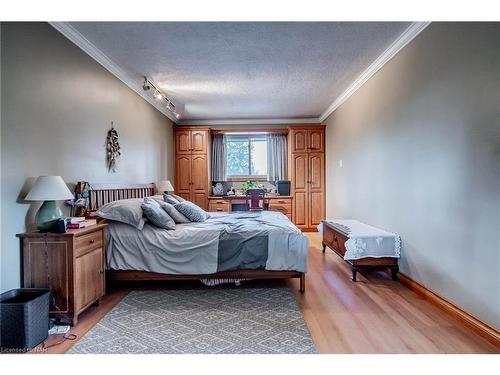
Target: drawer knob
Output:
[(91, 241)]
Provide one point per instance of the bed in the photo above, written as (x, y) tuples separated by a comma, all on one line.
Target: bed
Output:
[(236, 245)]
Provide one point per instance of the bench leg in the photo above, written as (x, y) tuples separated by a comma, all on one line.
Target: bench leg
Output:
[(302, 282), (354, 272), (394, 273)]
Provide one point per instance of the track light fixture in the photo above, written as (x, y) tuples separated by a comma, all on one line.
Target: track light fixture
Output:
[(148, 85)]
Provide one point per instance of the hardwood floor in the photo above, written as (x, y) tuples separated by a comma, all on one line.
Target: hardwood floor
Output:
[(373, 315)]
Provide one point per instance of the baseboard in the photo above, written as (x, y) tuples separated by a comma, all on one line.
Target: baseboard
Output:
[(481, 328)]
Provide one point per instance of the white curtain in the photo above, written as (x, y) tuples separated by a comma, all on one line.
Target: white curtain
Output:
[(277, 157)]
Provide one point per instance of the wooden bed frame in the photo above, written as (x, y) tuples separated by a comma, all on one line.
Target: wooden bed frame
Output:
[(100, 194)]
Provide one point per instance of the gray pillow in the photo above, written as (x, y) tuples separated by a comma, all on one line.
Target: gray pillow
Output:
[(128, 211), (191, 211), (157, 215), (170, 199), (173, 213)]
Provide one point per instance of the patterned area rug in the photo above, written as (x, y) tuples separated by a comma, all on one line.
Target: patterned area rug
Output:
[(238, 321)]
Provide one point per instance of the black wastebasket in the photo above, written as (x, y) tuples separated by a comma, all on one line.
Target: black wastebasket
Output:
[(24, 316)]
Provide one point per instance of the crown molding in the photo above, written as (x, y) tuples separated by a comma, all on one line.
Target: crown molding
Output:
[(90, 49), (259, 121), (406, 37)]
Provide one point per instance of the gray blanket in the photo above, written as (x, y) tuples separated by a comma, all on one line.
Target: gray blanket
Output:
[(226, 241)]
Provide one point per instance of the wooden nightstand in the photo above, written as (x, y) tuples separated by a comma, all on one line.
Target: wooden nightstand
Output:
[(71, 264)]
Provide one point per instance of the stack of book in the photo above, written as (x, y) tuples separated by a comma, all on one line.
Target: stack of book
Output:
[(79, 222)]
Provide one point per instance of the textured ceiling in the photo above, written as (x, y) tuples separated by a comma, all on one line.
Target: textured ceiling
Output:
[(254, 70)]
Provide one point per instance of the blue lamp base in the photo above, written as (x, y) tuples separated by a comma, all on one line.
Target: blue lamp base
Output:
[(47, 216)]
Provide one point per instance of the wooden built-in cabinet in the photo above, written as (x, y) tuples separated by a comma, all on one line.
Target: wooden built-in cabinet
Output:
[(192, 165), (306, 171), (307, 175), (70, 264)]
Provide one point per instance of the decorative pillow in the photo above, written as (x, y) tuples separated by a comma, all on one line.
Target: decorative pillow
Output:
[(173, 213), (191, 211), (170, 199), (157, 215), (128, 211)]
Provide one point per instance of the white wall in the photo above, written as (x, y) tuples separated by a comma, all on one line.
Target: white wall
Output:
[(420, 145), (57, 105)]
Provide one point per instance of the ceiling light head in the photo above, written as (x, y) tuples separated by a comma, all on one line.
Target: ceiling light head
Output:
[(146, 86), (177, 116), (158, 95)]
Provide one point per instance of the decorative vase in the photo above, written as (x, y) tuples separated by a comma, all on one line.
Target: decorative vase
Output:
[(47, 216)]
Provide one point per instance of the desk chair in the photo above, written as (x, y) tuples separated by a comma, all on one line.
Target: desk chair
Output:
[(255, 199)]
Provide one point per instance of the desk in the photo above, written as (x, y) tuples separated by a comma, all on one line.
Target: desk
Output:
[(272, 202)]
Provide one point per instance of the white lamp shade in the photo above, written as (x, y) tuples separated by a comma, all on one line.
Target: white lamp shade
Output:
[(49, 188), (165, 185)]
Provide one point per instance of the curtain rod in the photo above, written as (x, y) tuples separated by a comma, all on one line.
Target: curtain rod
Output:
[(255, 130)]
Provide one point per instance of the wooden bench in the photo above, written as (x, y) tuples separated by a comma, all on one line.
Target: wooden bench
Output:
[(336, 240)]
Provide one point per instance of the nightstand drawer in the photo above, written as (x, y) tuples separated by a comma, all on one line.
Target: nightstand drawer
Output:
[(87, 242)]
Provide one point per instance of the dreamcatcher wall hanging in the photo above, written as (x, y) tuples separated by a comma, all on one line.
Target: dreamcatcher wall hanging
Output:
[(112, 149)]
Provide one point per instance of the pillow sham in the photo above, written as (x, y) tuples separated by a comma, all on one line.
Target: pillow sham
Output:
[(170, 199), (173, 213), (191, 211), (156, 214), (128, 211)]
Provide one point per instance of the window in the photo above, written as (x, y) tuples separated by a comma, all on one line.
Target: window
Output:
[(246, 155)]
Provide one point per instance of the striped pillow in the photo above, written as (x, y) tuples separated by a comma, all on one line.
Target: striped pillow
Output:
[(191, 211)]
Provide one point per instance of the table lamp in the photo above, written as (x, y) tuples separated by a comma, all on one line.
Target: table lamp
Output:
[(165, 186), (48, 189)]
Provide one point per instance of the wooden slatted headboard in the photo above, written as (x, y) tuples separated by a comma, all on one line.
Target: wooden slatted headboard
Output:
[(100, 194)]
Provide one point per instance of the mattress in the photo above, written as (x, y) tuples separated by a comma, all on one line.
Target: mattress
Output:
[(225, 242)]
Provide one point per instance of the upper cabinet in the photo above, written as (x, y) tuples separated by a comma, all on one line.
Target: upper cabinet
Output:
[(183, 142), (298, 138), (191, 142), (309, 139), (199, 141), (315, 140)]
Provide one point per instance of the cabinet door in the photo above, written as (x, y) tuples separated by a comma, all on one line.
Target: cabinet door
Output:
[(298, 140), (300, 188), (89, 278), (199, 140), (199, 180), (46, 266), (315, 140), (183, 175), (316, 189), (183, 142)]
